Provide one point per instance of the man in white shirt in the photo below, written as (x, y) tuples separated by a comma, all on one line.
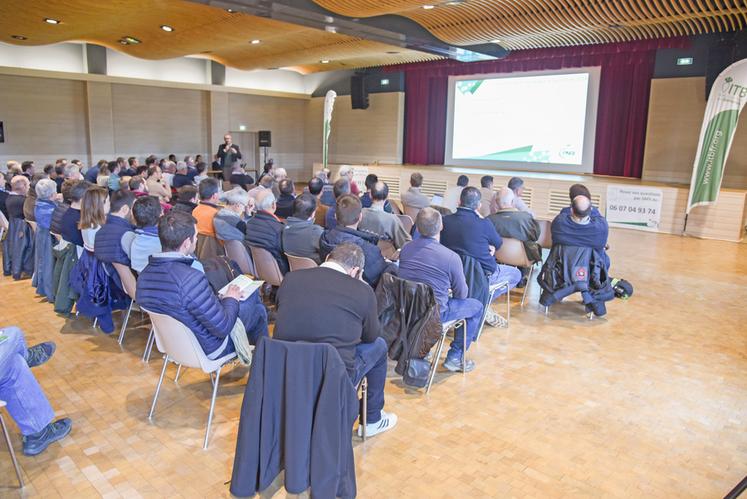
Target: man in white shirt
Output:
[(452, 194)]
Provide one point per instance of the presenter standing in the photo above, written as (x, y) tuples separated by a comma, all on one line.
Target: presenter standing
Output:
[(228, 153)]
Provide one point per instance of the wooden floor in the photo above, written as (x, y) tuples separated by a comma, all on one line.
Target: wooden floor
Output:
[(648, 402)]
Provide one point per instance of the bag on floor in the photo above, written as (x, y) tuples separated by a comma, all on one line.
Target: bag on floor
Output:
[(622, 288)]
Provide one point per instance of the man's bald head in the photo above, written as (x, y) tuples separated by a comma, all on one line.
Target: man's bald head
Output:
[(581, 206), (506, 198)]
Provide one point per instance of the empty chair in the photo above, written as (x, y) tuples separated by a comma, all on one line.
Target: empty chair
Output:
[(236, 251), (10, 446), (411, 212), (545, 238), (180, 346), (445, 328), (266, 266), (300, 262), (406, 222), (396, 207), (512, 252), (130, 286)]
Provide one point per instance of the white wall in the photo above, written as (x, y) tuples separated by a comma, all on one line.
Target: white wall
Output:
[(68, 57), (182, 69), (280, 80)]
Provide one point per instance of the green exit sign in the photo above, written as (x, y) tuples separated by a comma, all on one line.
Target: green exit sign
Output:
[(684, 61)]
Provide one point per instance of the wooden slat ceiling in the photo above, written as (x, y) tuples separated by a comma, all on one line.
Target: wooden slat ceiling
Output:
[(198, 30), (526, 24)]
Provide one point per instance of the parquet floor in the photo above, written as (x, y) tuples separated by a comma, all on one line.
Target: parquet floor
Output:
[(648, 402)]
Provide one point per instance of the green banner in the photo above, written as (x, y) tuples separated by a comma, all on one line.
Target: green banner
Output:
[(726, 100)]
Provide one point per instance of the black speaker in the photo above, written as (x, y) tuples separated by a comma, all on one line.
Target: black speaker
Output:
[(265, 138), (358, 92), (720, 56)]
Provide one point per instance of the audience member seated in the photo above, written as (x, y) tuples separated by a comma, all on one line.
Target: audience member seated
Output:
[(19, 189), (488, 203), (205, 212), (170, 285), (265, 184), (285, 201), (240, 177), (516, 184), (349, 213), (426, 260), (264, 229), (61, 208), (452, 194), (28, 167), (46, 192), (18, 245), (366, 199), (168, 169), (341, 188), (144, 242), (182, 176), (386, 225), (200, 168), (139, 188), (580, 190), (413, 197), (347, 173), (93, 173), (510, 222), (301, 235), (230, 222), (345, 316), (112, 243), (186, 199), (102, 180), (315, 188), (580, 225), (327, 196), (112, 182), (30, 202), (467, 234), (155, 184), (27, 404)]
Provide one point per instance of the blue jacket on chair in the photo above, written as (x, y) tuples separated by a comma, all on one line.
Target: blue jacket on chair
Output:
[(108, 246), (170, 286), (264, 230)]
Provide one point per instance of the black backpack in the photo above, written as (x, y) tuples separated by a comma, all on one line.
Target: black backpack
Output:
[(220, 270)]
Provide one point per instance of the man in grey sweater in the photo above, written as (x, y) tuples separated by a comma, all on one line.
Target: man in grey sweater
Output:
[(301, 235)]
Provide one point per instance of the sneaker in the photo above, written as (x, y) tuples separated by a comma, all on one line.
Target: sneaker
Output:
[(387, 422), (455, 365), (39, 354), (38, 442)]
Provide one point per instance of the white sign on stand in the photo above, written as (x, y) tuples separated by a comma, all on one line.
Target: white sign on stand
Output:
[(634, 207)]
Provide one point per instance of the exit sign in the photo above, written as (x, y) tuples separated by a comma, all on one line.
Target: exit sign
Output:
[(684, 61)]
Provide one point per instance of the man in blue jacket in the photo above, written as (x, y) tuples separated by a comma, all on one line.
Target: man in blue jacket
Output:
[(348, 213), (468, 234), (109, 245), (170, 285)]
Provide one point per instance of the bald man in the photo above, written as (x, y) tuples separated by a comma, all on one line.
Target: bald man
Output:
[(510, 222)]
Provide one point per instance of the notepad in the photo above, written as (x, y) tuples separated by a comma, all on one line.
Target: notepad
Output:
[(247, 285)]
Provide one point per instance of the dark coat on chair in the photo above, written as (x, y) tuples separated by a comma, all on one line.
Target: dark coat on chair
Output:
[(478, 285), (64, 261), (18, 248), (297, 415), (375, 265), (264, 230), (410, 318)]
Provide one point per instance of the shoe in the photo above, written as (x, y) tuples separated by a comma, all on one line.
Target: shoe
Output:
[(495, 320), (455, 365), (39, 354), (522, 283), (38, 442), (387, 422)]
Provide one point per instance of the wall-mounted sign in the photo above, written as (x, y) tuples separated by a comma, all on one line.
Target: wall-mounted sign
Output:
[(634, 207)]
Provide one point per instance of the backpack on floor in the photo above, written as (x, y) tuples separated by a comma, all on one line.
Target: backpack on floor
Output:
[(220, 270), (623, 289)]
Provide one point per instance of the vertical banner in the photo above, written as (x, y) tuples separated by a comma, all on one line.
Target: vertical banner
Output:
[(329, 104), (726, 100), (634, 207)]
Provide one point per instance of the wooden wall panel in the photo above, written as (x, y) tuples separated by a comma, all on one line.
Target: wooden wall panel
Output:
[(160, 121), (359, 136), (675, 116), (285, 118), (43, 119)]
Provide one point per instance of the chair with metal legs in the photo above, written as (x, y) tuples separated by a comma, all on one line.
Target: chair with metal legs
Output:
[(180, 346), (491, 292), (445, 328), (10, 446), (363, 387)]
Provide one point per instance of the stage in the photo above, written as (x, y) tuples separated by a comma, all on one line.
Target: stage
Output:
[(547, 193)]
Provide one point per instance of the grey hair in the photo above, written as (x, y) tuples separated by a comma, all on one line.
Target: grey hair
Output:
[(181, 166), (280, 174), (515, 183), (71, 170), (265, 200), (428, 222), (236, 196), (506, 197), (45, 188), (349, 255), (345, 170)]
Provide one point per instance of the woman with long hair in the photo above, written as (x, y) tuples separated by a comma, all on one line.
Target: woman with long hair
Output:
[(93, 210)]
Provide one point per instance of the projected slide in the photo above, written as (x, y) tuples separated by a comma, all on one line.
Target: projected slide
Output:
[(531, 119)]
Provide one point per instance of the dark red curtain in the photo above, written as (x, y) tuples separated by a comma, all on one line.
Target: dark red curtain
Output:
[(626, 72)]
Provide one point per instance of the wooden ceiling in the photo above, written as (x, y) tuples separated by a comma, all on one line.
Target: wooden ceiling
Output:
[(198, 30), (525, 24)]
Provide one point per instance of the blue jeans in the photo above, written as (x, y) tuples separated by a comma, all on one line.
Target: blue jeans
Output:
[(504, 273), (27, 404), (462, 308), (370, 361)]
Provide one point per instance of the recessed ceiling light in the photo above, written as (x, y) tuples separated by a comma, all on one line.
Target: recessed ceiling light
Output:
[(428, 7), (167, 28), (19, 37), (256, 42), (49, 20), (324, 61), (129, 40), (392, 52), (497, 40), (454, 2), (230, 11)]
